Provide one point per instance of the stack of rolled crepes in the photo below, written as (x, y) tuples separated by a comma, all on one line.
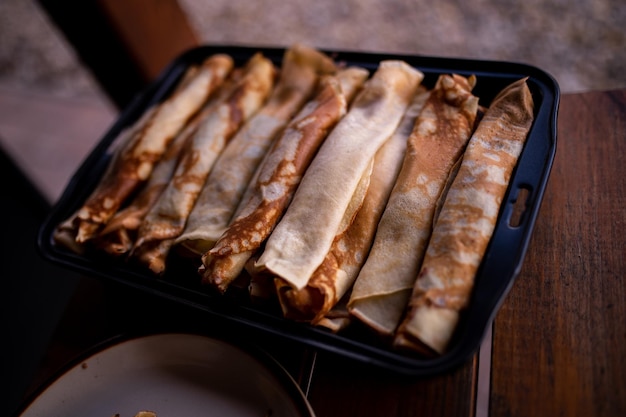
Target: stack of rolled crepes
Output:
[(339, 193)]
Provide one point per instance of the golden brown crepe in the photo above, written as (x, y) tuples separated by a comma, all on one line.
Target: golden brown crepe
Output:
[(466, 222), (335, 276), (134, 164), (166, 219), (305, 234), (278, 176), (65, 233), (300, 72), (114, 238), (118, 236), (439, 137)]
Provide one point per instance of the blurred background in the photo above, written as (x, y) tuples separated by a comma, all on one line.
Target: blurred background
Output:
[(67, 67), (580, 42)]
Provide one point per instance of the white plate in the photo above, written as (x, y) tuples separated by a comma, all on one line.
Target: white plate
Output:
[(173, 375)]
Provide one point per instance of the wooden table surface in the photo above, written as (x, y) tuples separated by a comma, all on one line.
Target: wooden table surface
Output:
[(559, 340), (558, 343)]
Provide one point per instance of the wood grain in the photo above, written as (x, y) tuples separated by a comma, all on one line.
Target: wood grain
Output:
[(559, 344), (341, 387)]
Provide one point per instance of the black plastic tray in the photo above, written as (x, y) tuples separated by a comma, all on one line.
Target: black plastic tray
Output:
[(499, 268)]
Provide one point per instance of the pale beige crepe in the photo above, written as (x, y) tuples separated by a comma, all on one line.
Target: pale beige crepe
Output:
[(300, 72), (278, 176), (441, 132), (335, 276), (466, 222), (166, 219), (304, 236), (135, 163)]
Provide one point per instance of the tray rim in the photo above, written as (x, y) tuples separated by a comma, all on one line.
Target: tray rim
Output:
[(546, 117)]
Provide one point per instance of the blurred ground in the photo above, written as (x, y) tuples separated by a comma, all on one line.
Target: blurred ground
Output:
[(580, 42)]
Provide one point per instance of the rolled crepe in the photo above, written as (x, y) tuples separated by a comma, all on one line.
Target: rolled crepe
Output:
[(466, 222), (118, 236), (441, 132), (338, 318), (65, 233), (278, 176), (166, 219), (300, 72), (305, 234), (136, 162), (332, 279)]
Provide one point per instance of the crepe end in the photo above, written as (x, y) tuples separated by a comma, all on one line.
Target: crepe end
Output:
[(307, 56), (334, 324), (192, 248), (116, 243), (300, 304), (65, 235), (427, 327), (86, 230), (221, 271), (337, 318), (403, 342), (152, 255), (381, 313)]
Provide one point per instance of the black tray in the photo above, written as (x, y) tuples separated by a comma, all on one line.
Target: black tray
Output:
[(499, 268)]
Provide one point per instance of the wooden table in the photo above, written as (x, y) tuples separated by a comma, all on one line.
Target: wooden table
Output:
[(558, 344)]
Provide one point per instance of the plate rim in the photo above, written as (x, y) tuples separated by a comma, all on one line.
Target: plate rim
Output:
[(255, 353)]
